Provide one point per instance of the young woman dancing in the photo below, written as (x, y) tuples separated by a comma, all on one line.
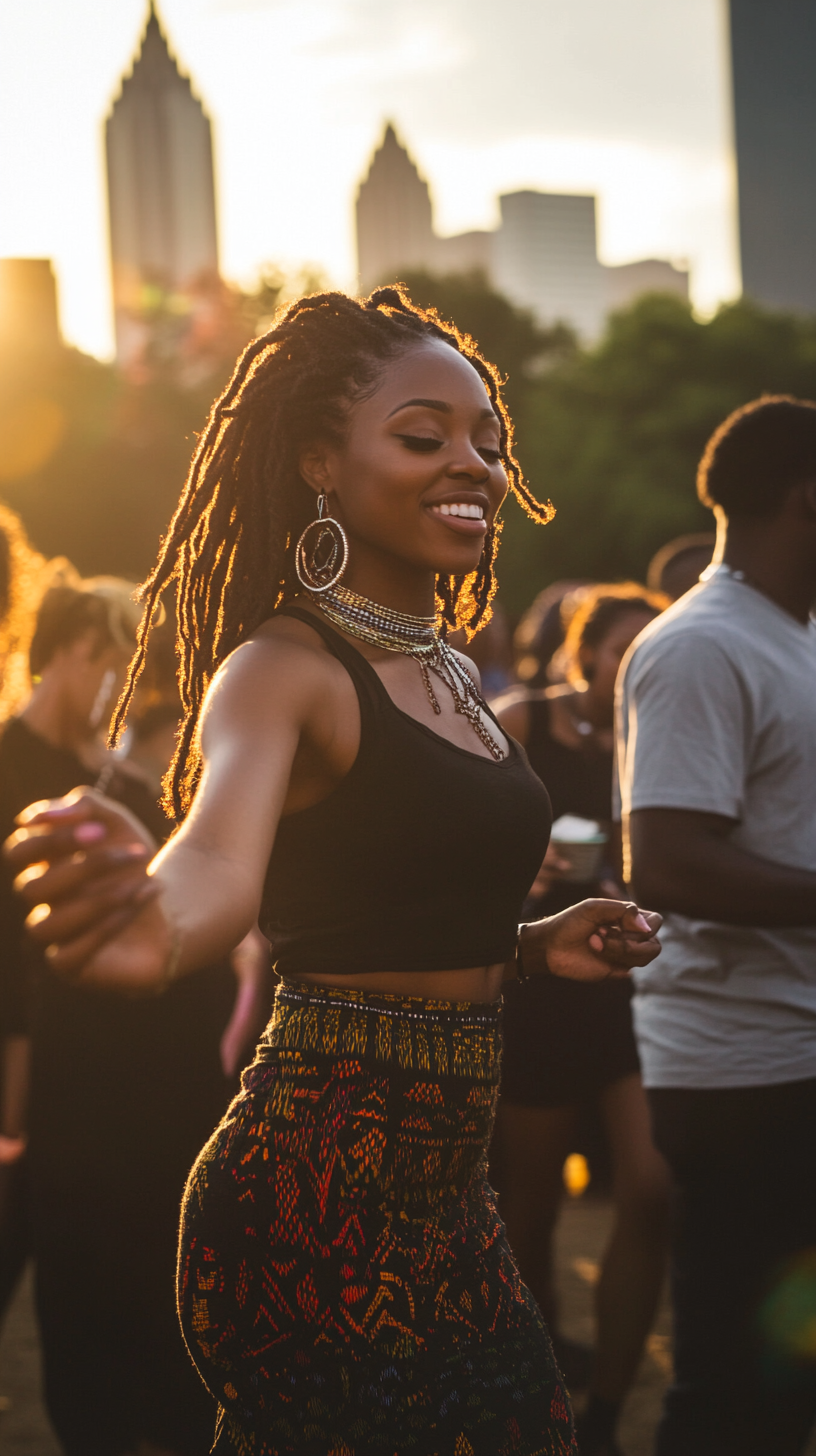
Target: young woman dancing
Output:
[(345, 1285)]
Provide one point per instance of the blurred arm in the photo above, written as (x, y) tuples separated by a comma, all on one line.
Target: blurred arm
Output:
[(684, 861), (15, 1061), (251, 963)]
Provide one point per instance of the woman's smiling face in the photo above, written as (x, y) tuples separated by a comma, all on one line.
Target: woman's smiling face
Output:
[(419, 476)]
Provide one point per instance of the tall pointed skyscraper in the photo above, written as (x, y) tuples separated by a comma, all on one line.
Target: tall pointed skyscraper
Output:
[(394, 217), (161, 191)]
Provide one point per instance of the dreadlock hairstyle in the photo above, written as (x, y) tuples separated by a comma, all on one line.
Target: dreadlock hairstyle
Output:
[(231, 544)]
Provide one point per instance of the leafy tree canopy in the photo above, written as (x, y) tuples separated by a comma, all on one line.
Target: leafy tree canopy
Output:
[(508, 336), (94, 461), (613, 435)]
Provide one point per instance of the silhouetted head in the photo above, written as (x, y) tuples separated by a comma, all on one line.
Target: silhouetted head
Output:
[(84, 637), (321, 402), (676, 567), (540, 633), (758, 456), (603, 628)]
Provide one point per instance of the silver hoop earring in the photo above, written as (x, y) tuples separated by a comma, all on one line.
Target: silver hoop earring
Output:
[(321, 564)]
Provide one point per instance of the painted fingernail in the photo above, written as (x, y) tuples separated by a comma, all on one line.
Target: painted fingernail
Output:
[(89, 833), (125, 854)]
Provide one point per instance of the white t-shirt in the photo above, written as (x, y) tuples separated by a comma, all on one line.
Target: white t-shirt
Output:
[(716, 713)]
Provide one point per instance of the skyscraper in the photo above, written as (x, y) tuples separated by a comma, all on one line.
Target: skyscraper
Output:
[(545, 258), (773, 47), (29, 318), (394, 217), (161, 191)]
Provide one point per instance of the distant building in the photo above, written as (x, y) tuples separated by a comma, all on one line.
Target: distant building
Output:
[(29, 318), (395, 229), (464, 253), (394, 216), (627, 281), (773, 47), (161, 194), (543, 256)]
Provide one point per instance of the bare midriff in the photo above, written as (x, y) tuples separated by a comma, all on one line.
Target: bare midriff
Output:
[(479, 983)]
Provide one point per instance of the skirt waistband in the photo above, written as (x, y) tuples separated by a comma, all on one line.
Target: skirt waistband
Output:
[(441, 1038)]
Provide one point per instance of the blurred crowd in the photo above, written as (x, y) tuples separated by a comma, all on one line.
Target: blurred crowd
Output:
[(92, 1165)]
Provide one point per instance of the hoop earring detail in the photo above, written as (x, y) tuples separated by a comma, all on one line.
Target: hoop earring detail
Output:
[(317, 566)]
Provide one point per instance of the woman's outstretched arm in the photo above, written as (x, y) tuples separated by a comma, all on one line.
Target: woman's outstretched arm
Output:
[(109, 914)]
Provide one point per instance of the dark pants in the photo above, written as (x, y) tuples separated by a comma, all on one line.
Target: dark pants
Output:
[(114, 1364), (743, 1268)]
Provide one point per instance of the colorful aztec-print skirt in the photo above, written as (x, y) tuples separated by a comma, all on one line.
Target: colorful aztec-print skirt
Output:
[(345, 1283)]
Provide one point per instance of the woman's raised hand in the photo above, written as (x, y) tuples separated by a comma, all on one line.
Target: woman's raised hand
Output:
[(592, 941), (81, 865)]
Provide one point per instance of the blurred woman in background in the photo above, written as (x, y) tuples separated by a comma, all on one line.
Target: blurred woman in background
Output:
[(568, 1044), (122, 1091), (22, 577)]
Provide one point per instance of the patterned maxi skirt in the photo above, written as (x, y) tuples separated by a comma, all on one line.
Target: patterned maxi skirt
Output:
[(345, 1283)]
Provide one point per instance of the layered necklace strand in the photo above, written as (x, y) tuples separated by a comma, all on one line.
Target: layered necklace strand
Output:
[(416, 637)]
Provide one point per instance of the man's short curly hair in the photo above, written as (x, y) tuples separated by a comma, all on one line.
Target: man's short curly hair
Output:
[(758, 454)]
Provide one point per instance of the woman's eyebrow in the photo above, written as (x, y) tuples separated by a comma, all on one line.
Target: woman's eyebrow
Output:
[(441, 405), (434, 404)]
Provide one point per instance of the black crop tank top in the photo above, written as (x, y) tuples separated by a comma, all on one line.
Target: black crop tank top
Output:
[(419, 859)]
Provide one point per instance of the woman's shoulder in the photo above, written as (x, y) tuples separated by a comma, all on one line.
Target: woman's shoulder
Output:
[(280, 644), (283, 668)]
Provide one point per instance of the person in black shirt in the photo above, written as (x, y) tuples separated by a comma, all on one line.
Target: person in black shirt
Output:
[(569, 1045), (122, 1091), (21, 583)]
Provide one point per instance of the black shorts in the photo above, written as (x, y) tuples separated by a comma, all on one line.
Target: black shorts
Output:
[(564, 1041)]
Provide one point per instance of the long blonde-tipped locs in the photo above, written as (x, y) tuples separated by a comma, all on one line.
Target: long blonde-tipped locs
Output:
[(321, 565)]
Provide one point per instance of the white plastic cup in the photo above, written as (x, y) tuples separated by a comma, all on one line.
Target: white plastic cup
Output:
[(584, 858)]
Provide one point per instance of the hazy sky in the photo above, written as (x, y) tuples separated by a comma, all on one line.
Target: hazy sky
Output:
[(627, 98)]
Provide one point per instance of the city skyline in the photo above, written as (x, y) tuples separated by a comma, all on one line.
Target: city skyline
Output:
[(298, 99), (543, 256)]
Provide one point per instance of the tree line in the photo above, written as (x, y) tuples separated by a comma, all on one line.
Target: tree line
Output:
[(94, 460)]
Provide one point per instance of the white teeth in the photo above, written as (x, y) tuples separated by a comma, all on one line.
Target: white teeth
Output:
[(461, 508)]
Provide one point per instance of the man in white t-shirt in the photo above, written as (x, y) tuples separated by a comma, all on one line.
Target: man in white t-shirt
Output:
[(717, 763)]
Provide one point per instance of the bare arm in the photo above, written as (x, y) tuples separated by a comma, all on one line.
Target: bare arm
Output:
[(252, 967), (15, 1060), (272, 698), (686, 862)]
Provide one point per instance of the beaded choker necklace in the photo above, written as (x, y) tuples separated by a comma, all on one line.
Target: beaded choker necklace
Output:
[(416, 637)]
